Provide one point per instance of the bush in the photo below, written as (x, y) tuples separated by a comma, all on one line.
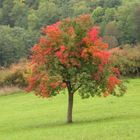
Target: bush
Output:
[(4, 72), (127, 59), (15, 79), (15, 75)]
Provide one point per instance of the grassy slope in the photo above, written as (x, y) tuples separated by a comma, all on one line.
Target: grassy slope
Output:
[(28, 117)]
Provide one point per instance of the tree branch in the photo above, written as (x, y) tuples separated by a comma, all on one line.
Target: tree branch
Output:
[(77, 88)]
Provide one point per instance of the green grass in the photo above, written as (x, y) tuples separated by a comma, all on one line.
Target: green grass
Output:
[(27, 117)]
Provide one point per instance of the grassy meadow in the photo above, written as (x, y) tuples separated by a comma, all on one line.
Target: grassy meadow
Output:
[(27, 117)]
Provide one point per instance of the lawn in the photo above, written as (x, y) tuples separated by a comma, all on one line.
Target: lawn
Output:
[(27, 117)]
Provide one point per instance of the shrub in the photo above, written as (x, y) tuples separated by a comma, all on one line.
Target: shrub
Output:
[(127, 59), (15, 79), (15, 75)]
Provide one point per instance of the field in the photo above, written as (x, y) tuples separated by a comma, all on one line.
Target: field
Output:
[(27, 117)]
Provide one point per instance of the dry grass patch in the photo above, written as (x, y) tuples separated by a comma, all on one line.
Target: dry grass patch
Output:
[(9, 90)]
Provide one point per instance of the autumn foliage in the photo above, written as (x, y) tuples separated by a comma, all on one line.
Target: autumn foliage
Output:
[(72, 53), (127, 59)]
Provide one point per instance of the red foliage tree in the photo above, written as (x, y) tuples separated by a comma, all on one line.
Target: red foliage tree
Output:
[(71, 54)]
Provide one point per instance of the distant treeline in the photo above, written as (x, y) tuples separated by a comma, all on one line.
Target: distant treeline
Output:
[(21, 20)]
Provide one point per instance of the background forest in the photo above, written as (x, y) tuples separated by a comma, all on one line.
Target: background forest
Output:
[(21, 21)]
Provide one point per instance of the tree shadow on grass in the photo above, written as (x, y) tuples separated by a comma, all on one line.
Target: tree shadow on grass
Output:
[(82, 122), (108, 119), (58, 124)]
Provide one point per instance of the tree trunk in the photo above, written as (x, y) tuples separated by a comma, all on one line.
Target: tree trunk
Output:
[(70, 106)]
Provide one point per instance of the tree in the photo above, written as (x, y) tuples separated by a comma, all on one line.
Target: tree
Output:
[(48, 12), (112, 3), (125, 23), (137, 21), (19, 14), (79, 8), (71, 55), (32, 3), (1, 1), (109, 14), (98, 14), (15, 43), (6, 11)]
